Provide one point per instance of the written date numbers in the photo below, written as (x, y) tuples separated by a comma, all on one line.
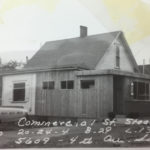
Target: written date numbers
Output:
[(131, 130), (22, 132)]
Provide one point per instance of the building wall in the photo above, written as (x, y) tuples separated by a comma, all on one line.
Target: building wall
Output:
[(134, 105), (100, 98), (30, 84), (109, 59), (56, 76), (1, 85), (55, 102), (96, 102)]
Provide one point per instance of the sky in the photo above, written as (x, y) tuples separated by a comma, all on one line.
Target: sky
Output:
[(25, 25)]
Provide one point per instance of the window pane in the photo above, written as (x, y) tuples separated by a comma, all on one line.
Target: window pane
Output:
[(141, 90), (19, 94), (70, 84), (45, 85), (51, 85), (147, 91), (63, 85), (86, 84), (117, 51), (48, 85), (135, 90), (117, 57), (117, 62)]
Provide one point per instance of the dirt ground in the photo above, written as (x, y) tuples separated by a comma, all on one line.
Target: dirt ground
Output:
[(97, 135)]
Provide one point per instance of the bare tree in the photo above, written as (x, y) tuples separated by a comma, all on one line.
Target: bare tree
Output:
[(12, 65)]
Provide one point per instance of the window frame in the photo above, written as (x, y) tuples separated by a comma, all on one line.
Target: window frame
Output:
[(89, 86), (117, 57), (19, 88), (67, 84), (48, 84), (137, 91)]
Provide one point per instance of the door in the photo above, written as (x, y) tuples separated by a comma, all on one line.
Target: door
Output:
[(118, 94)]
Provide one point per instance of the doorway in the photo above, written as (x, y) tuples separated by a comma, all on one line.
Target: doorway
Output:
[(118, 82)]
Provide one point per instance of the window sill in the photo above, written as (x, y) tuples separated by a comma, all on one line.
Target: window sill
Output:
[(134, 100), (19, 101), (67, 89), (117, 68)]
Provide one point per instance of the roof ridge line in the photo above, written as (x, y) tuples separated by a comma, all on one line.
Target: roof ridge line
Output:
[(84, 37)]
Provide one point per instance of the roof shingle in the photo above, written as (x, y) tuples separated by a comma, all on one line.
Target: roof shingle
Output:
[(78, 51)]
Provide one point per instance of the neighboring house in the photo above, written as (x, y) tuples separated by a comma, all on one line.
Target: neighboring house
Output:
[(2, 71), (87, 76), (145, 69)]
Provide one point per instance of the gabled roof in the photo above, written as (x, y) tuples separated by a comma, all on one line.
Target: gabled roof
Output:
[(129, 52), (81, 52)]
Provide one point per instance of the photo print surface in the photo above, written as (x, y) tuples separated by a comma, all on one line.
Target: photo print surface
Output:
[(74, 74)]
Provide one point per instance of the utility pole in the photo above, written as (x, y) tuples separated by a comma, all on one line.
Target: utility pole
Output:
[(143, 66)]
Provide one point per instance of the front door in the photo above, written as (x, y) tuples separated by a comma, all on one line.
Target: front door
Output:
[(118, 94)]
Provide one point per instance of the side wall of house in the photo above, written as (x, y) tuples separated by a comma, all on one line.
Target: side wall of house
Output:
[(94, 102), (98, 101), (30, 84), (1, 85), (55, 102)]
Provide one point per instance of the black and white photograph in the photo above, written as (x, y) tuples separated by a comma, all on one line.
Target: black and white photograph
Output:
[(74, 74)]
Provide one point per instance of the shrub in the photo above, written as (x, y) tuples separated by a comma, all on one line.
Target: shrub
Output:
[(111, 115), (133, 115)]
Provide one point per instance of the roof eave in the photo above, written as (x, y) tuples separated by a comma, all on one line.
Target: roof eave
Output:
[(36, 70), (112, 72)]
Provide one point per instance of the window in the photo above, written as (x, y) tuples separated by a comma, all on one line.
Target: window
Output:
[(86, 84), (67, 84), (48, 85), (140, 90), (117, 57), (63, 84), (19, 92), (70, 85)]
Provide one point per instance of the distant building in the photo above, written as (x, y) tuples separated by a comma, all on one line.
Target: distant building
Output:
[(83, 77), (145, 69)]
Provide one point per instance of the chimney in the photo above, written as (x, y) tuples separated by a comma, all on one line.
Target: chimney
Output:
[(27, 59), (83, 31), (0, 61)]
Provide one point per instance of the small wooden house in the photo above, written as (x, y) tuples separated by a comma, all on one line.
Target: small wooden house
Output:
[(83, 77)]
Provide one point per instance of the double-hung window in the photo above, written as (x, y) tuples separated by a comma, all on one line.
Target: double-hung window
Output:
[(140, 90), (19, 92)]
